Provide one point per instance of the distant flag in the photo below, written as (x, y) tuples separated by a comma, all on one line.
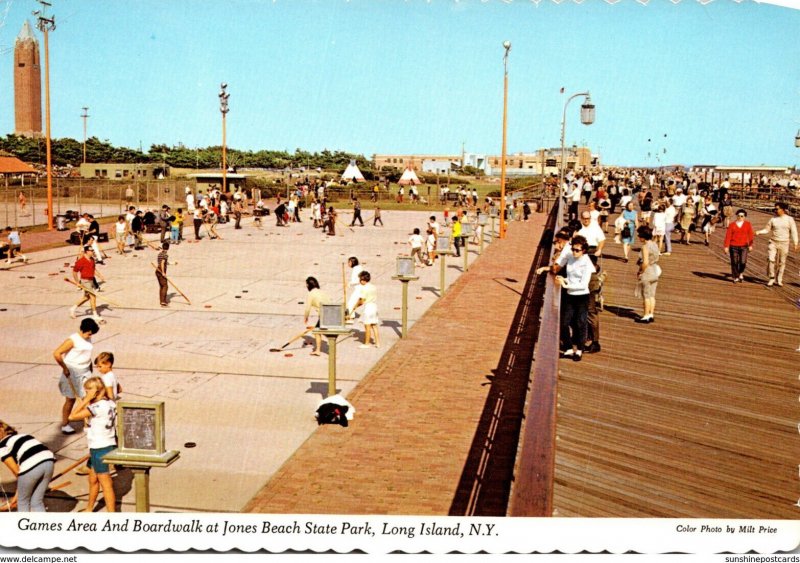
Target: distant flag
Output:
[(562, 89)]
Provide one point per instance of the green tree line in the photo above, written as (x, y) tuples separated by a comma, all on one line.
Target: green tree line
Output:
[(68, 151)]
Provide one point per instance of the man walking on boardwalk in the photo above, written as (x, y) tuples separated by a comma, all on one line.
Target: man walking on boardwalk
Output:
[(781, 230)]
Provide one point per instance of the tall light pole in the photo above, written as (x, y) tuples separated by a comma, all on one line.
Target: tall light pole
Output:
[(587, 118), (223, 108), (85, 116), (46, 25), (507, 47)]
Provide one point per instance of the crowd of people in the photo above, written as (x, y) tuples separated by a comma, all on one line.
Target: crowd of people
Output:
[(652, 208)]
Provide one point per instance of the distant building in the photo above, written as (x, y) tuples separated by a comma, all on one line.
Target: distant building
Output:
[(543, 161), (27, 84), (206, 181), (403, 161), (124, 171), (714, 173), (439, 166)]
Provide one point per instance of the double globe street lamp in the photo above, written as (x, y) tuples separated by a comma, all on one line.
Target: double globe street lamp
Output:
[(223, 108)]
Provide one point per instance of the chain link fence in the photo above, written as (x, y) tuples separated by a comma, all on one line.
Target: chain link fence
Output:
[(26, 205)]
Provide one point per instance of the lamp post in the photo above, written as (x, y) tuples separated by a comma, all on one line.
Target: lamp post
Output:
[(587, 118), (223, 109), (85, 116), (46, 25), (507, 47)]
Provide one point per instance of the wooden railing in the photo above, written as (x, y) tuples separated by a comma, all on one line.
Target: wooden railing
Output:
[(532, 489), (764, 198)]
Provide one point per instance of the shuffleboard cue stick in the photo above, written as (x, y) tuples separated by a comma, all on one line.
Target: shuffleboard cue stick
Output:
[(68, 469), (172, 283), (292, 339), (344, 288), (92, 293)]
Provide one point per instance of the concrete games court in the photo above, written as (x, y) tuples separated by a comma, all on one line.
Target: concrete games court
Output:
[(247, 409)]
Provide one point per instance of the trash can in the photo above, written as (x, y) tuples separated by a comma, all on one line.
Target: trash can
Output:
[(61, 222)]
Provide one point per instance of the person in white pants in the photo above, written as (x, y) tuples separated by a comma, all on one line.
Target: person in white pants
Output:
[(781, 229)]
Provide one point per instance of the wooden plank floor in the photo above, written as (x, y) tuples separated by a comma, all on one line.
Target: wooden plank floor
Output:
[(695, 415)]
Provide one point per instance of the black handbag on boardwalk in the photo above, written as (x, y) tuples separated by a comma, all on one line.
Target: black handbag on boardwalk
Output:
[(331, 413)]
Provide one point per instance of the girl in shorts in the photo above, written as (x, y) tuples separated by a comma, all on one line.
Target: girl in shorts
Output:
[(101, 435)]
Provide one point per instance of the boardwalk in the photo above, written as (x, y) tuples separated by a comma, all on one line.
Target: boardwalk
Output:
[(694, 415), (437, 419)]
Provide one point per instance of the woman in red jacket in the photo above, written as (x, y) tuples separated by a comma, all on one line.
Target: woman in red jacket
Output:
[(738, 241)]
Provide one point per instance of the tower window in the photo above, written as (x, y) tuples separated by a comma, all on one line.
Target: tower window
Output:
[(21, 65)]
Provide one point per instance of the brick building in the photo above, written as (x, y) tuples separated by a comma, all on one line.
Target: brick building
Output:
[(27, 84)]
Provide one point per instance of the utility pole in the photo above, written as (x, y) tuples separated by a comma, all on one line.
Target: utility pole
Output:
[(507, 47), (85, 116), (46, 25)]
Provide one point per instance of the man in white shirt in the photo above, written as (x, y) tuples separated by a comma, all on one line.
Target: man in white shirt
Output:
[(573, 198), (781, 229), (189, 200), (83, 223), (679, 199), (594, 235)]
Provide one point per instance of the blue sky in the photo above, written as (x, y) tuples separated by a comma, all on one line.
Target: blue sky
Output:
[(721, 80)]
